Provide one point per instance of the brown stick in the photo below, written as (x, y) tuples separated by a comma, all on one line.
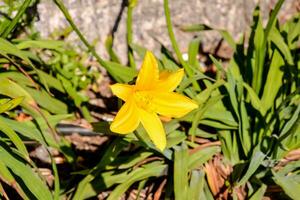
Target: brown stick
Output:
[(159, 190)]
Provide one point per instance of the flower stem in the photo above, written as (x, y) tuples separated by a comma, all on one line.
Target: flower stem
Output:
[(175, 45), (16, 19), (129, 33), (91, 49)]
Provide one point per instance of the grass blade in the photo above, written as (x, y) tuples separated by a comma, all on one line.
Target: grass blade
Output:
[(35, 185), (196, 185), (16, 19), (10, 104), (255, 162), (154, 169), (181, 172), (109, 156), (15, 139), (259, 194), (290, 186), (273, 81)]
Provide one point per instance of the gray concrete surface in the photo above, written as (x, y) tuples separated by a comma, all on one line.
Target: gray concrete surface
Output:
[(96, 19)]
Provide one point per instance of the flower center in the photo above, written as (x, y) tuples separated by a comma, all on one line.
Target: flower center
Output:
[(144, 101)]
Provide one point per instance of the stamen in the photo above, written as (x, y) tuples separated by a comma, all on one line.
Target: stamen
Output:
[(144, 101)]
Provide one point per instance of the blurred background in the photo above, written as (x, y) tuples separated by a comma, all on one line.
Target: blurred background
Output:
[(56, 105), (99, 18)]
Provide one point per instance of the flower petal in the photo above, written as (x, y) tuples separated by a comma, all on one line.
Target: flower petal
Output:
[(169, 81), (148, 74), (127, 119), (154, 128), (123, 91), (171, 104)]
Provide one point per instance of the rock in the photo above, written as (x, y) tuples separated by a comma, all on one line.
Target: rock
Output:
[(97, 18)]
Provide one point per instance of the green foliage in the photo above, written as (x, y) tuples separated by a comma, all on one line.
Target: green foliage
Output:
[(247, 122)]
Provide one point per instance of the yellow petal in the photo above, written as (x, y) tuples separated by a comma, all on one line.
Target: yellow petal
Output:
[(123, 91), (169, 81), (154, 128), (127, 119), (171, 104), (148, 74)]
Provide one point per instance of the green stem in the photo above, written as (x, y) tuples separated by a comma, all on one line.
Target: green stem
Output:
[(195, 124), (175, 45), (140, 187), (259, 69), (129, 35), (56, 179), (16, 19), (91, 49)]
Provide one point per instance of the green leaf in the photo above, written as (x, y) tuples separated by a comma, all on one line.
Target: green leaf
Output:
[(229, 39), (255, 101), (217, 63), (217, 124), (9, 179), (220, 115), (78, 99), (207, 193), (7, 48), (52, 81), (16, 19), (13, 90), (255, 162), (140, 50), (104, 181), (109, 48), (134, 159), (290, 186), (196, 185), (259, 194), (229, 145), (244, 129), (109, 156), (186, 82), (175, 138), (29, 130), (289, 124), (200, 157), (31, 181), (154, 169), (273, 81), (204, 134), (273, 16), (293, 31), (230, 87), (195, 27), (203, 96), (193, 53), (203, 27), (119, 72), (277, 39), (259, 53), (289, 168), (168, 63), (48, 102), (181, 172), (260, 44), (42, 44), (17, 77), (9, 105), (15, 139)]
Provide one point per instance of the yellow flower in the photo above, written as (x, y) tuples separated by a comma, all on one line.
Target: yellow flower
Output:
[(152, 95)]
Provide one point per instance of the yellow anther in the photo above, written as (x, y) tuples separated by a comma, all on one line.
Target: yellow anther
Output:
[(144, 101)]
